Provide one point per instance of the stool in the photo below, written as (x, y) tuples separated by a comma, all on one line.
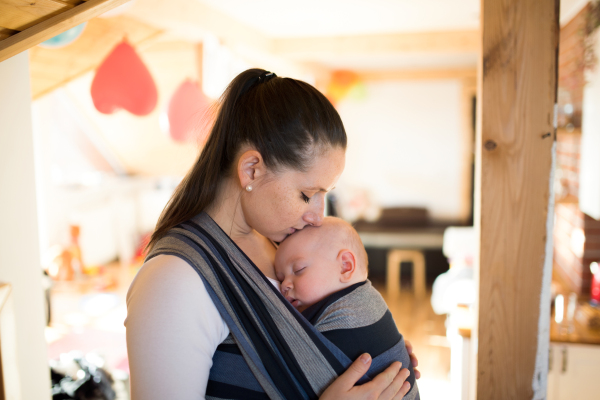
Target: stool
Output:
[(394, 258)]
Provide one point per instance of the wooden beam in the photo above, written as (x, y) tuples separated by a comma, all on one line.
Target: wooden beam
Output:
[(417, 74), (514, 213), (417, 42), (195, 19), (5, 32), (73, 2), (22, 14), (51, 27)]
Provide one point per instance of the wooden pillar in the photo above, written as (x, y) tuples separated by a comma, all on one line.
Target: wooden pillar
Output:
[(515, 152)]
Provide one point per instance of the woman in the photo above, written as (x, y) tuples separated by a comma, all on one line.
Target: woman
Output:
[(205, 318)]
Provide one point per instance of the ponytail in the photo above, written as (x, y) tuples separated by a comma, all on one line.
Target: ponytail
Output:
[(282, 118)]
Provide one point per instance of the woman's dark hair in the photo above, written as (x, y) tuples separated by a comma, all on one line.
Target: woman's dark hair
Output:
[(284, 119)]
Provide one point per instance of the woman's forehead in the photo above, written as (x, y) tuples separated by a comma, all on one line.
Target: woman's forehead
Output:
[(323, 174)]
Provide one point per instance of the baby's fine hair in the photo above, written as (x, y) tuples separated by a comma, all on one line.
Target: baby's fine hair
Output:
[(350, 239)]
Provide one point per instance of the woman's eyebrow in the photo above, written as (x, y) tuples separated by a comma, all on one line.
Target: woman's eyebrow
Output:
[(320, 189)]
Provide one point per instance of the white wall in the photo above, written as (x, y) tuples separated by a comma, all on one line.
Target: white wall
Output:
[(19, 246), (407, 146), (76, 188), (589, 167)]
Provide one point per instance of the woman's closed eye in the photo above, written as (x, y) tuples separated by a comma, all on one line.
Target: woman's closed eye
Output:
[(305, 197)]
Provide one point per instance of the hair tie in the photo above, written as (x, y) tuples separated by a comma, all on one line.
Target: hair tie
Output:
[(264, 77)]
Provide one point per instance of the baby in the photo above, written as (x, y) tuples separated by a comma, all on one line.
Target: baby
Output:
[(324, 271)]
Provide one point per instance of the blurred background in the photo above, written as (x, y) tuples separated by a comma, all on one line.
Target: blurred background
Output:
[(120, 110)]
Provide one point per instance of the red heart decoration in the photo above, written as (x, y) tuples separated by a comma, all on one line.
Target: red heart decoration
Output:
[(123, 81), (187, 112)]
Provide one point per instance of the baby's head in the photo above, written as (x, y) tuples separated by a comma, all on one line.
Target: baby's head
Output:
[(318, 261)]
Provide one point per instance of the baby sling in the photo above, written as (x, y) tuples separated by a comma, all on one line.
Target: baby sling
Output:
[(272, 351)]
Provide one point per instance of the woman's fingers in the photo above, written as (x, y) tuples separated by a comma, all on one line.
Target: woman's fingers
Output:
[(409, 349), (395, 388), (383, 381), (358, 368), (402, 392), (413, 360)]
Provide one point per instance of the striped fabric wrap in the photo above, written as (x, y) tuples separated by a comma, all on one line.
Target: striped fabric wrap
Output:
[(357, 320), (272, 352)]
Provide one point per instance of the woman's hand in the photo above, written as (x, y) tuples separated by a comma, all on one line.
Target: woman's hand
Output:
[(413, 359), (388, 385)]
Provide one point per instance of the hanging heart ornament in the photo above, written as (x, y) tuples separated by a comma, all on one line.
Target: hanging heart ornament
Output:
[(123, 82)]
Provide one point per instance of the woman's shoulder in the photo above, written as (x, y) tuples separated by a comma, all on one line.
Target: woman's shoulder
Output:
[(165, 272), (167, 288), (167, 283), (173, 330)]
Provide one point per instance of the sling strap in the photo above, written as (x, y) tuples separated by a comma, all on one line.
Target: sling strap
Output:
[(284, 356)]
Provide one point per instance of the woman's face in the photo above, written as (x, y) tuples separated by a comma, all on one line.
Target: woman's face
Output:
[(288, 200)]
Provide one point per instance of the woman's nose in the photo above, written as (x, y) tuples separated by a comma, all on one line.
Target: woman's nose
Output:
[(314, 216)]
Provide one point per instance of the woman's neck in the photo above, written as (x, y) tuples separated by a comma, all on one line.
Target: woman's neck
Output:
[(226, 211)]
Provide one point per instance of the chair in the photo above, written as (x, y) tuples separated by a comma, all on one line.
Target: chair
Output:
[(394, 259)]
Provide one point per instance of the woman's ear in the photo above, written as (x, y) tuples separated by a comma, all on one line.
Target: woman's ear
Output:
[(348, 265), (251, 166)]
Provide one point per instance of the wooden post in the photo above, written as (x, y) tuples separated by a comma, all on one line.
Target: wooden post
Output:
[(514, 207)]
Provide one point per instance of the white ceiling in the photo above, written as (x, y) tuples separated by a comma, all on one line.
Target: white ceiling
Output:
[(263, 20), (277, 18), (286, 18)]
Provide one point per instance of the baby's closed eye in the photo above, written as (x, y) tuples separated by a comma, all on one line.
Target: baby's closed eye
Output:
[(298, 270)]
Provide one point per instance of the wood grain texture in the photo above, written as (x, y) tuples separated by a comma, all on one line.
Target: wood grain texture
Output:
[(52, 68), (5, 33), (73, 2), (518, 91), (54, 25), (417, 74), (435, 41), (22, 14)]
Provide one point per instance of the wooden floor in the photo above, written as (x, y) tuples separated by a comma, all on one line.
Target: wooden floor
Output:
[(424, 329)]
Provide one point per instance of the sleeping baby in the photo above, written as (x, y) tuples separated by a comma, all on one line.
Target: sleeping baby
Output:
[(324, 271)]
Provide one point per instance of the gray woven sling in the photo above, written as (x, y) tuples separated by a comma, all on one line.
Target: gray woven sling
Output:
[(272, 352)]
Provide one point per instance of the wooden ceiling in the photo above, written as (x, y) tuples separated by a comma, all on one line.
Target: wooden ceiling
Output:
[(26, 23), (52, 68)]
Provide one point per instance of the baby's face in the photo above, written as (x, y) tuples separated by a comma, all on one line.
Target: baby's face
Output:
[(306, 264)]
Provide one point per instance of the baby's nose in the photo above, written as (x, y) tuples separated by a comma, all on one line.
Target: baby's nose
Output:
[(286, 285)]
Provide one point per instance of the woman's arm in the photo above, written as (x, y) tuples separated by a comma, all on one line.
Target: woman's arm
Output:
[(173, 330)]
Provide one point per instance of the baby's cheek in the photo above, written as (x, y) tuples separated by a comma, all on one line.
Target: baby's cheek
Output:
[(307, 292)]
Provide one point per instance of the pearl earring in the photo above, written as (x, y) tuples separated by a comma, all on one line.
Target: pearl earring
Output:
[(249, 188)]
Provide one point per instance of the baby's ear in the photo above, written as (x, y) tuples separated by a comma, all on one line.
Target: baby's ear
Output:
[(347, 262)]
